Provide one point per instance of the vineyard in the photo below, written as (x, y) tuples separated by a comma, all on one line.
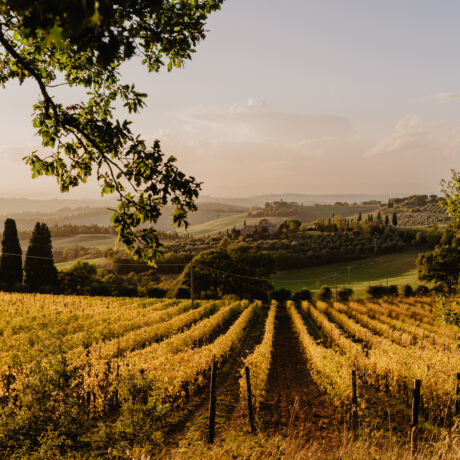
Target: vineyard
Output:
[(131, 377)]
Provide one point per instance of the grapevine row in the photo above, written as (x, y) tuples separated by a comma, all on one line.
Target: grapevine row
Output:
[(259, 362)]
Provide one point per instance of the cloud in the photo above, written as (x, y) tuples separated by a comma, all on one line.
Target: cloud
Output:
[(256, 121), (414, 136), (252, 148), (445, 98)]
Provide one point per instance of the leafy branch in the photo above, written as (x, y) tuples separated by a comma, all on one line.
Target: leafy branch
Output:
[(84, 46)]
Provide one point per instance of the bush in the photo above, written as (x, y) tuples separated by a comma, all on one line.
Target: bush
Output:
[(182, 293), (281, 295), (325, 294), (153, 291), (438, 289), (422, 291), (408, 291), (376, 292), (344, 294), (302, 295), (393, 290)]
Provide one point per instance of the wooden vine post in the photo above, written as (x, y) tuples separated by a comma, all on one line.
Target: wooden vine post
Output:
[(415, 412), (212, 404), (354, 402), (457, 396), (249, 394), (192, 297)]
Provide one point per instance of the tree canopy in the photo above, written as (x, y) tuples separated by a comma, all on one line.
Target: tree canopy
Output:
[(82, 44), (231, 269), (40, 273), (442, 265), (451, 190), (11, 260)]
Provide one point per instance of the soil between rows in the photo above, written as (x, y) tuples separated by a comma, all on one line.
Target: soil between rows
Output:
[(294, 403)]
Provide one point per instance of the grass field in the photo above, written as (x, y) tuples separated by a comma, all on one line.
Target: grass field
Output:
[(101, 261), (226, 223), (400, 269)]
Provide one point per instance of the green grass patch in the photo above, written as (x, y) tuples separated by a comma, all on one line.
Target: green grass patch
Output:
[(400, 269), (66, 265)]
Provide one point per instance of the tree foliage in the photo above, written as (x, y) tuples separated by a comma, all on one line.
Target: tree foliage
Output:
[(304, 295), (281, 295), (344, 294), (83, 45), (40, 272), (442, 265), (451, 190), (11, 261), (237, 269), (325, 294)]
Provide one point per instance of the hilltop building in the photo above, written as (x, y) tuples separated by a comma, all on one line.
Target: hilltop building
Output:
[(264, 226)]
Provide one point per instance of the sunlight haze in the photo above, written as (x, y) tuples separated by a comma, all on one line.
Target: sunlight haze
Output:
[(295, 96)]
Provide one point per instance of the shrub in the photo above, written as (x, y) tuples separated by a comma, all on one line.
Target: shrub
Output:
[(393, 290), (438, 289), (422, 291), (408, 291), (376, 292), (281, 295), (344, 294), (302, 295), (325, 294), (153, 291), (182, 293)]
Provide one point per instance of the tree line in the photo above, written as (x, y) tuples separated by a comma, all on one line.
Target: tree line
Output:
[(38, 271)]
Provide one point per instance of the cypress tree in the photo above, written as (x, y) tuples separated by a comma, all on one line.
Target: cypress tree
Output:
[(39, 269), (387, 221), (359, 217), (394, 219), (11, 261)]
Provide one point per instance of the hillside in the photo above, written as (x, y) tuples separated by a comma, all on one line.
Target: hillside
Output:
[(87, 215), (399, 268), (305, 198), (307, 214), (278, 211), (415, 211)]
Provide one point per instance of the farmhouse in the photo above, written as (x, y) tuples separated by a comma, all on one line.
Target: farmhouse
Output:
[(264, 225)]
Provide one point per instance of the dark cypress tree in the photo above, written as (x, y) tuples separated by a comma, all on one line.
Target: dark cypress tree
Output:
[(394, 219), (11, 261), (387, 221), (39, 270), (359, 217)]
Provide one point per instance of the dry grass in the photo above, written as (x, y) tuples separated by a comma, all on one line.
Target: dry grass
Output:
[(242, 445)]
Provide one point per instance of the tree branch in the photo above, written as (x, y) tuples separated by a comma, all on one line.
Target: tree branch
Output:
[(29, 68)]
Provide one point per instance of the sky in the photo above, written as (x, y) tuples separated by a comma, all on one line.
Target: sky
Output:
[(301, 96)]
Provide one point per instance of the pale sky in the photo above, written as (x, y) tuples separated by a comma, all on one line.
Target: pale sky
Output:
[(303, 96)]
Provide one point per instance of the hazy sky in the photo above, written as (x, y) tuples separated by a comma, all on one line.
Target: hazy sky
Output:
[(323, 96)]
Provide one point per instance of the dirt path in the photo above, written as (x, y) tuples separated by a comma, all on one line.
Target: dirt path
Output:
[(294, 403), (192, 427)]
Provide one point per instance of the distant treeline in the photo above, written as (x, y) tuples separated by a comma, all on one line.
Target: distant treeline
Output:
[(67, 230), (297, 250)]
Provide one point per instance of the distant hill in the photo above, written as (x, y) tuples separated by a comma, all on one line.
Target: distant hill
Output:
[(276, 214), (54, 213), (305, 199), (21, 205), (416, 210), (308, 214)]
